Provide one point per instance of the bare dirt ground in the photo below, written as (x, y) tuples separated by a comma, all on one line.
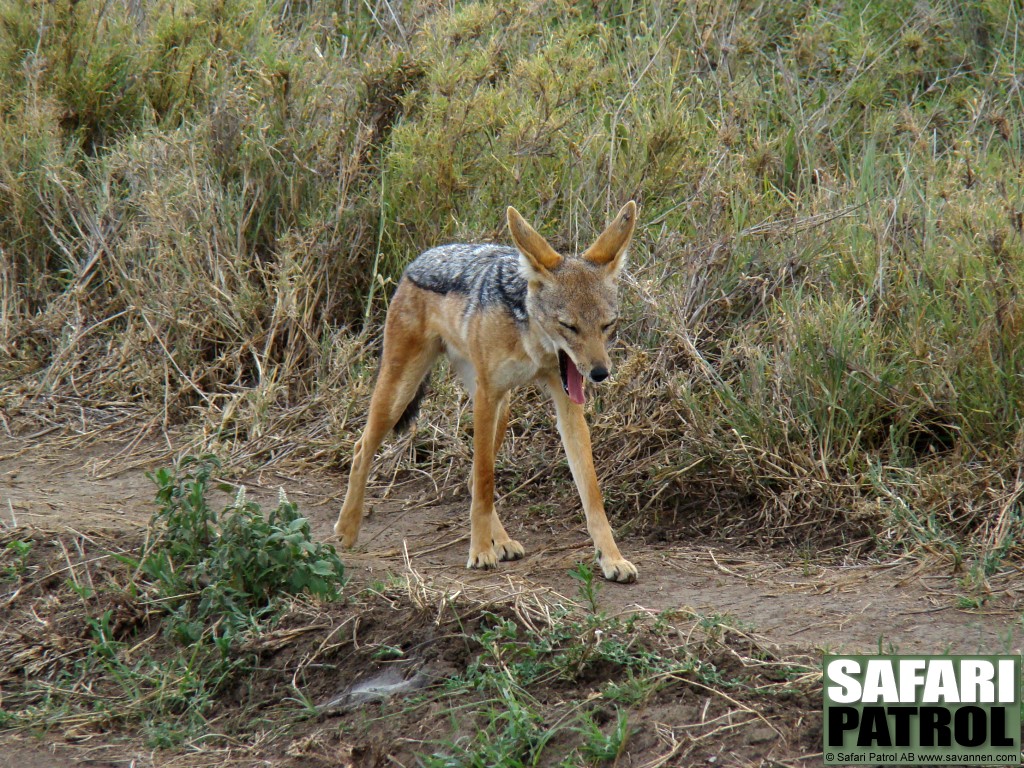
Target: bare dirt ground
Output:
[(795, 604)]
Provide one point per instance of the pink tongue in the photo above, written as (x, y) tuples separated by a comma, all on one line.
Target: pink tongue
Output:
[(575, 381)]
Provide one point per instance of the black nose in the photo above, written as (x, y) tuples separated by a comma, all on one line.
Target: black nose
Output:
[(598, 373)]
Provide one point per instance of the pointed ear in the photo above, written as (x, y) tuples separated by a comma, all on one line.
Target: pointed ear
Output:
[(538, 255), (610, 247)]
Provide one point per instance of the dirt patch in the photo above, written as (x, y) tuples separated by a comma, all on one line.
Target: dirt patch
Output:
[(411, 610), (376, 677), (791, 598)]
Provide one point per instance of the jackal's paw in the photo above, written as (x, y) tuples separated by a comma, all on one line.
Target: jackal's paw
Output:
[(346, 534), (485, 559), (509, 550), (620, 570)]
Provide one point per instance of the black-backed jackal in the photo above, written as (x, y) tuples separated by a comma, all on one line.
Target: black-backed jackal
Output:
[(505, 316)]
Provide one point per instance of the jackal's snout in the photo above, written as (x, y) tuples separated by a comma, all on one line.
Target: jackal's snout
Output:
[(593, 357)]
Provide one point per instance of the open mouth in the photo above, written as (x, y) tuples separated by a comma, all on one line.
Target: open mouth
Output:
[(572, 379)]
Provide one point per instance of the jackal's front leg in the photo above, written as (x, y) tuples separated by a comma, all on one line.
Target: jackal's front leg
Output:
[(505, 546), (576, 438), (481, 512)]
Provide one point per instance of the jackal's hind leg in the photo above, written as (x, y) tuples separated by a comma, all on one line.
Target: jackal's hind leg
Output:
[(406, 360)]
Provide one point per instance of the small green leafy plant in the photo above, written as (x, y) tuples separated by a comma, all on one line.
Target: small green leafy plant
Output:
[(214, 580), (229, 568), (19, 551), (588, 589)]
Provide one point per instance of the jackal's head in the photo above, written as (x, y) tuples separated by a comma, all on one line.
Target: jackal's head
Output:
[(574, 300)]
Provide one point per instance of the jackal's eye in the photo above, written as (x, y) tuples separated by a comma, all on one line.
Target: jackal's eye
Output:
[(569, 327), (609, 327)]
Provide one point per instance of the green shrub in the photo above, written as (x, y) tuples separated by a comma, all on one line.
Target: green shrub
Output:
[(227, 571), (215, 582)]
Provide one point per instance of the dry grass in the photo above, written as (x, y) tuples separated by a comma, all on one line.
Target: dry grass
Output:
[(206, 205), (86, 650)]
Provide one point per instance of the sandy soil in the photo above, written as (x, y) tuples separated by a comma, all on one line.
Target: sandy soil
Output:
[(786, 600), (781, 595)]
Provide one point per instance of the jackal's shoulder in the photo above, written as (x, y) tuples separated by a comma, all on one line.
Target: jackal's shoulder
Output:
[(487, 275)]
